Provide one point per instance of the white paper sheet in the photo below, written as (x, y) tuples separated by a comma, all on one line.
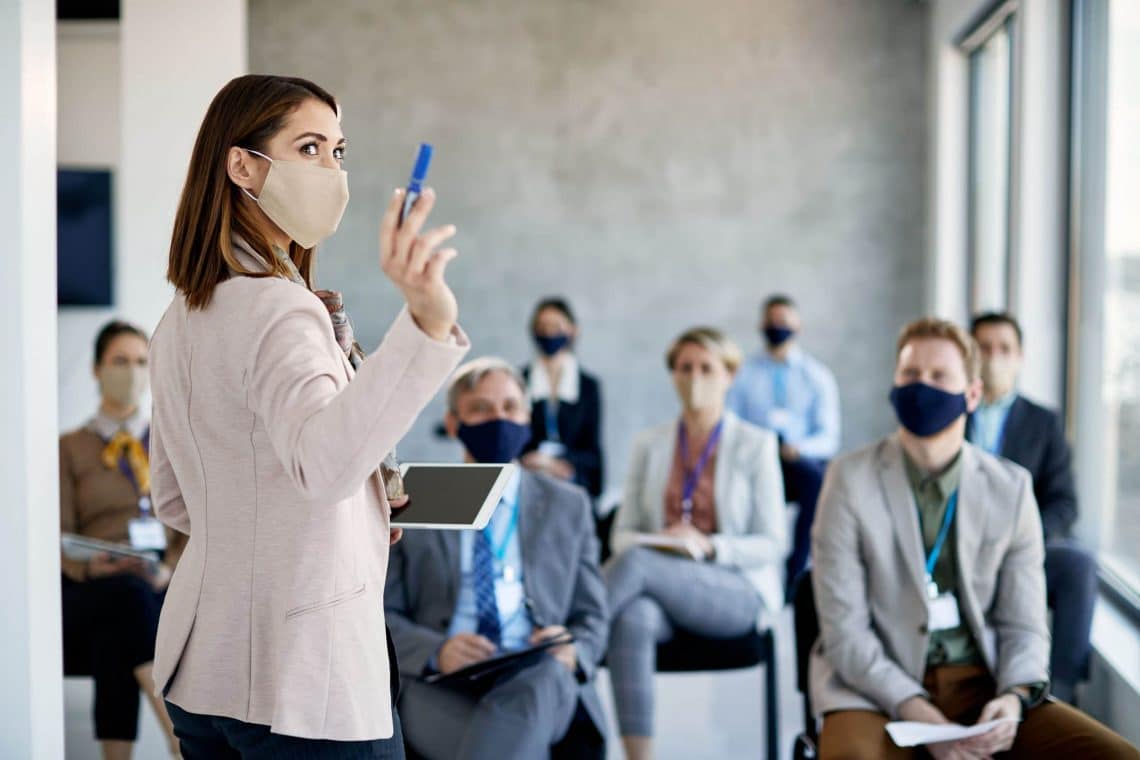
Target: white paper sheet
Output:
[(911, 734)]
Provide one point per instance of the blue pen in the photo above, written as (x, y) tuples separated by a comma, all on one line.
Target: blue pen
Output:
[(415, 184)]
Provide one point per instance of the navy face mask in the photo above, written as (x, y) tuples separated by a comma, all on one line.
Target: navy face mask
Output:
[(494, 441), (925, 410), (778, 336), (550, 345)]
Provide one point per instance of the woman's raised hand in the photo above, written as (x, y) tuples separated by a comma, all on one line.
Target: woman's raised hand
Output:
[(414, 261)]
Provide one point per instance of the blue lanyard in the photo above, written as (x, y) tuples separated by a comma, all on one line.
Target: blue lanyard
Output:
[(551, 408), (932, 558), (693, 477), (500, 551)]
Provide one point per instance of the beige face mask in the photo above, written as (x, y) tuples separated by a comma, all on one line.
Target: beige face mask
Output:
[(305, 200), (124, 385), (698, 392), (1000, 374)]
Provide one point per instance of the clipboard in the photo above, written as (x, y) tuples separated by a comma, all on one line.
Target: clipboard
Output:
[(495, 666), (84, 549)]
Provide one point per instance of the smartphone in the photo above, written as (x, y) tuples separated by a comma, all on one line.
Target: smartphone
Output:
[(416, 183)]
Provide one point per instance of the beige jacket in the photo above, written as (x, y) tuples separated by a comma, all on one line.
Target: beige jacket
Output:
[(266, 455), (869, 575), (749, 496)]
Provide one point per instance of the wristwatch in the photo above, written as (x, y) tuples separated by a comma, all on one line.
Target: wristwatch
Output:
[(1036, 696)]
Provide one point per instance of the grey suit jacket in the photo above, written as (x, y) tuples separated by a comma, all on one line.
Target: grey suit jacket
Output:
[(869, 576), (560, 575)]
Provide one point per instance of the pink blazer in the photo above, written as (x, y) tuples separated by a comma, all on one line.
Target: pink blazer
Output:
[(267, 457)]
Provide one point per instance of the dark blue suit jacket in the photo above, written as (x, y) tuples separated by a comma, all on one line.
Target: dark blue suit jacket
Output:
[(1034, 437), (580, 426)]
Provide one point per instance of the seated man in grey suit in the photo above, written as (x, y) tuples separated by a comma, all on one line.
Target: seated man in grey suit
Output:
[(1009, 425), (455, 598), (930, 585)]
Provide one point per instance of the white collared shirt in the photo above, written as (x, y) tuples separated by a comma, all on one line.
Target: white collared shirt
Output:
[(569, 382)]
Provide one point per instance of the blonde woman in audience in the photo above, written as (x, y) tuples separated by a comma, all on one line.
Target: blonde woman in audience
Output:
[(700, 538), (110, 604)]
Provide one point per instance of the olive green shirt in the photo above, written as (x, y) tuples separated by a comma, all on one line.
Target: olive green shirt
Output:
[(953, 646)]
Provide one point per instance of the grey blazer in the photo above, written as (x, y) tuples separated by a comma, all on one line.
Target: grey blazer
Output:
[(870, 568), (560, 573)]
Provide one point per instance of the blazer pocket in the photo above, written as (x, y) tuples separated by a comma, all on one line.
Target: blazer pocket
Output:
[(341, 598)]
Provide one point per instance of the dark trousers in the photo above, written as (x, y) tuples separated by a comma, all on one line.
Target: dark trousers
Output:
[(210, 737), (109, 628), (803, 480), (1071, 583)]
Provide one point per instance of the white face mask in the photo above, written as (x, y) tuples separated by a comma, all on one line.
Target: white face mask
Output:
[(305, 200), (1000, 374), (698, 392), (124, 385)]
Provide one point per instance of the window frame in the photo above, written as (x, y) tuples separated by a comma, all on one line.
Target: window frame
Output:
[(994, 18)]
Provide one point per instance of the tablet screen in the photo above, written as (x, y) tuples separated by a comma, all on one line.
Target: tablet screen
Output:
[(446, 495)]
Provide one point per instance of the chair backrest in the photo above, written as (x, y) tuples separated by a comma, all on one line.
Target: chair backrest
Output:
[(807, 627)]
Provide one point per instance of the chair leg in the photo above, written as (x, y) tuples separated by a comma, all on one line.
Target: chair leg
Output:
[(772, 698)]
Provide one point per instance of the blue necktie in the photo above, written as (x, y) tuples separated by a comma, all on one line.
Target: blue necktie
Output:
[(486, 605)]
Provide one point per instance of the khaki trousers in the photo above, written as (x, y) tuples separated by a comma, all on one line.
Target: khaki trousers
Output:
[(1050, 730)]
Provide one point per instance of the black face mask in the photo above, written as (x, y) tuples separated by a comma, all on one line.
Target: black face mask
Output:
[(550, 345), (778, 336), (494, 441), (925, 410)]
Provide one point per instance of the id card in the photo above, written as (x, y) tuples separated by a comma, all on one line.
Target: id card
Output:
[(147, 533), (943, 612), (552, 449), (780, 419)]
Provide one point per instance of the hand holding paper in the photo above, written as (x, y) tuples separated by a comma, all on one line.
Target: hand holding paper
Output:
[(911, 734)]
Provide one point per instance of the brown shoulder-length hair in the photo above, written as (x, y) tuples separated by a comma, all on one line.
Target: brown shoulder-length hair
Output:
[(246, 113)]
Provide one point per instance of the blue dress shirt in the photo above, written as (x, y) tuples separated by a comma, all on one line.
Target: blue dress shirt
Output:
[(510, 593), (987, 427), (798, 399)]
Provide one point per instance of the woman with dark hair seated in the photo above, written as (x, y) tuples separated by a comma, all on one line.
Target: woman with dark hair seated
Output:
[(111, 604), (566, 405)]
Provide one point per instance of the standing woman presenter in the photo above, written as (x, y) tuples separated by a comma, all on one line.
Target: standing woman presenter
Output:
[(272, 641)]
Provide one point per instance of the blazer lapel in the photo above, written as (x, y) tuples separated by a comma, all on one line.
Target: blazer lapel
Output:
[(969, 525), (724, 466), (449, 546), (531, 521), (657, 476), (1012, 429), (904, 511)]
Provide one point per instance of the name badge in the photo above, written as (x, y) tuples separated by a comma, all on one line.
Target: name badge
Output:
[(943, 611), (147, 533), (552, 449), (780, 419)]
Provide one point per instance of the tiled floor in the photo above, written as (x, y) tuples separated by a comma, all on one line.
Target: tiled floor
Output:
[(714, 716)]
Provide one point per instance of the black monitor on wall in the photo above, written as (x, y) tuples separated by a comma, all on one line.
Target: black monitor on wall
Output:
[(83, 237)]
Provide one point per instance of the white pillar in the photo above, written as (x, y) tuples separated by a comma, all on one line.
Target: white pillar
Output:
[(31, 700), (175, 56)]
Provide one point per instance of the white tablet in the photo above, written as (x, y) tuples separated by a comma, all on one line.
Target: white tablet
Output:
[(451, 496)]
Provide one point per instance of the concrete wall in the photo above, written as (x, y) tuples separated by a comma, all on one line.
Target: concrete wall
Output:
[(661, 163)]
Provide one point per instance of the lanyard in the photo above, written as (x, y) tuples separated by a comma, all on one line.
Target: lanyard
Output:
[(936, 550), (551, 408), (500, 551), (694, 476)]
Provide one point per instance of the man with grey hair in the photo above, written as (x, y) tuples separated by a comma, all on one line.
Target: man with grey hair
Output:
[(455, 598)]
